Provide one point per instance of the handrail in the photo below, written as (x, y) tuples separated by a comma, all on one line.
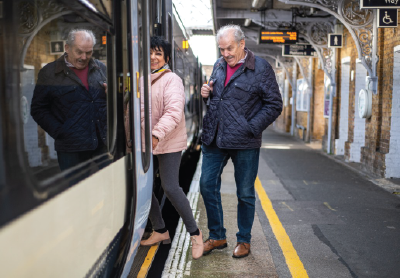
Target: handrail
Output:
[(146, 158)]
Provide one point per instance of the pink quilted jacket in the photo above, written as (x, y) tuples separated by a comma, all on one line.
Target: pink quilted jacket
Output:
[(167, 113)]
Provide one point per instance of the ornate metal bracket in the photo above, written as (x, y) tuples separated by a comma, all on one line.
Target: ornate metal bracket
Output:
[(317, 35), (286, 68), (305, 70), (33, 17), (360, 23)]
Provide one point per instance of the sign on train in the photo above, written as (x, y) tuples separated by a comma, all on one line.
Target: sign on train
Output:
[(379, 4), (298, 50), (387, 18)]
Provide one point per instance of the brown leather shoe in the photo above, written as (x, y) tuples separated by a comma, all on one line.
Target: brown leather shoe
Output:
[(242, 250), (211, 244)]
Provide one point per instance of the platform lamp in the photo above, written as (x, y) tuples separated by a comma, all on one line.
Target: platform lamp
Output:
[(247, 22), (338, 28), (185, 45)]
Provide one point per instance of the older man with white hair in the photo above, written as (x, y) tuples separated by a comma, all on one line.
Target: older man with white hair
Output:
[(243, 100), (69, 101)]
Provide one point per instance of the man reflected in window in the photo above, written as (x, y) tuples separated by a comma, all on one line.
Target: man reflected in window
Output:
[(69, 101)]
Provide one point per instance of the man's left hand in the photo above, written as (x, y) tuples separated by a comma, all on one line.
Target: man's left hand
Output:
[(105, 87)]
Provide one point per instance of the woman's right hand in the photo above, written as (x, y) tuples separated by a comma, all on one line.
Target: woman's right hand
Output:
[(154, 142)]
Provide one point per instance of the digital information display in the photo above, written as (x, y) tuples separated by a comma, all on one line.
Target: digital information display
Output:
[(379, 4), (298, 50), (279, 37)]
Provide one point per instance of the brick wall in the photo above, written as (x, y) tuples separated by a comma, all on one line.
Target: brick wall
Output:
[(318, 120)]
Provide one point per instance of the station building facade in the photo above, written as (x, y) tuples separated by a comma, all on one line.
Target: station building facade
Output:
[(373, 142)]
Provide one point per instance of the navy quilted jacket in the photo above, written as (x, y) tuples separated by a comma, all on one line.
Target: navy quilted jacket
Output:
[(66, 110), (241, 111)]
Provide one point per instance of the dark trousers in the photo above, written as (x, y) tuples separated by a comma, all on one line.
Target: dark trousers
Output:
[(169, 164)]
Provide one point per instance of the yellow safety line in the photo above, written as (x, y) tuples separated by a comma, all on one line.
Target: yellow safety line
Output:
[(328, 206), (147, 261), (293, 262)]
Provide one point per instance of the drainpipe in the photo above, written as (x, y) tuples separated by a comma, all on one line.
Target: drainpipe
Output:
[(308, 139), (294, 89), (333, 92)]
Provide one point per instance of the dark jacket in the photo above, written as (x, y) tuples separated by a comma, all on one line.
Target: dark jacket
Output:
[(241, 111), (66, 110)]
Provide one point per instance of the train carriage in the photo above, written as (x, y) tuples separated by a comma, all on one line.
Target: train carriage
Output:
[(87, 220)]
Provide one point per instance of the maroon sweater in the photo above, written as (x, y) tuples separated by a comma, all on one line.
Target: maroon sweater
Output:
[(230, 71), (83, 76)]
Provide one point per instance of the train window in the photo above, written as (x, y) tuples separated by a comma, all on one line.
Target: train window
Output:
[(58, 79), (179, 64)]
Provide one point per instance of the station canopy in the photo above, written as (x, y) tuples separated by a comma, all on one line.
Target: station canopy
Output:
[(255, 16)]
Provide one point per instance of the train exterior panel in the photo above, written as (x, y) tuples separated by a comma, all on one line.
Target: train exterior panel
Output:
[(87, 220), (65, 236)]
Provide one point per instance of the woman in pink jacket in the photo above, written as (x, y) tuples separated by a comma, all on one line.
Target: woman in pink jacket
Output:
[(169, 139)]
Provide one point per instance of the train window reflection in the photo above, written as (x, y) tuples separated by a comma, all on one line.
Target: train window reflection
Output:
[(102, 6), (63, 86)]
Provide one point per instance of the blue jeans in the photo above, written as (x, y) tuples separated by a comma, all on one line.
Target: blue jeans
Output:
[(246, 167)]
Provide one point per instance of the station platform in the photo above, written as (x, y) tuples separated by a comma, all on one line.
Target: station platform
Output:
[(315, 217)]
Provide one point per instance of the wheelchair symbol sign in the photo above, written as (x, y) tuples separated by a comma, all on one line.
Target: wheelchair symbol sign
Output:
[(387, 18)]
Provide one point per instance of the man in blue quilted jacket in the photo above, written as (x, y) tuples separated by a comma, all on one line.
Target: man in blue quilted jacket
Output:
[(243, 100), (69, 101)]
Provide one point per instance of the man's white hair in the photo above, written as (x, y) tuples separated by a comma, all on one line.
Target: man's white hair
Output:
[(87, 33), (238, 33)]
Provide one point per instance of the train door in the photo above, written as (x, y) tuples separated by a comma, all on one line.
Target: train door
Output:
[(83, 218), (137, 78)]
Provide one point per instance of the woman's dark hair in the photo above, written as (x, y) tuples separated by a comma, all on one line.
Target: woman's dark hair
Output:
[(158, 43)]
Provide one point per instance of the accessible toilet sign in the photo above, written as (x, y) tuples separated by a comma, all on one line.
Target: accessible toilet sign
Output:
[(379, 4), (387, 18)]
